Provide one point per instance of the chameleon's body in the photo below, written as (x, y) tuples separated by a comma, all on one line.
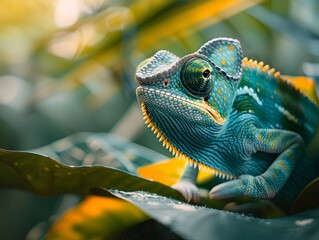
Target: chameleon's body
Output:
[(237, 118)]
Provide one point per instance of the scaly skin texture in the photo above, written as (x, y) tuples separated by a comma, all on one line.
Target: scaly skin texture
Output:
[(236, 118)]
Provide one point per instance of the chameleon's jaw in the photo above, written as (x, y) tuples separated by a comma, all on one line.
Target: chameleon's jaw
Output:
[(176, 152), (201, 105)]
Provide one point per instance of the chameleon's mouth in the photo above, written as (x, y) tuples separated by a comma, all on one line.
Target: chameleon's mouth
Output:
[(176, 152)]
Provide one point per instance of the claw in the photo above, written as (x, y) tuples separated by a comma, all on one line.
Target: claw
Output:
[(227, 190), (188, 190), (246, 185)]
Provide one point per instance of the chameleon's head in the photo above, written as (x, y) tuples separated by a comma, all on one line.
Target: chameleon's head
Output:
[(187, 100)]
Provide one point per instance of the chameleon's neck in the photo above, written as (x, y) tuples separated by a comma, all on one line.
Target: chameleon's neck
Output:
[(202, 143)]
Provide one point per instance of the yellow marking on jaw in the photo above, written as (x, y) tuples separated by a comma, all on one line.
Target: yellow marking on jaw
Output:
[(258, 90), (230, 47), (219, 91), (223, 62), (259, 137), (225, 98), (214, 114)]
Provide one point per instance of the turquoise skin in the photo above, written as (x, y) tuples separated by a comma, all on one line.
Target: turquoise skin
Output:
[(236, 118)]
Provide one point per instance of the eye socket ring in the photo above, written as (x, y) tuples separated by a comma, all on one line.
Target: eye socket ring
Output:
[(196, 77)]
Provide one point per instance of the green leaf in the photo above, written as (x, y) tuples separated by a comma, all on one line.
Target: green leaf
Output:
[(195, 222), (308, 198), (43, 175), (100, 149)]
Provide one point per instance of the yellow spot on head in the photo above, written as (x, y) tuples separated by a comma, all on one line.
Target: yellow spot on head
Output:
[(223, 62), (219, 91), (230, 47)]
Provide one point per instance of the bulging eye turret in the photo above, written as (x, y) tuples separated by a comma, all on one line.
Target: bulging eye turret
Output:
[(197, 78)]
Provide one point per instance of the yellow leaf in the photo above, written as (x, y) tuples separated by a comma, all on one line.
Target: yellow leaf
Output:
[(96, 218), (169, 172)]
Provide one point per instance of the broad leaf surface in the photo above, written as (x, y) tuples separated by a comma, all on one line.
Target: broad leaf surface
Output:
[(43, 175), (100, 149), (194, 222)]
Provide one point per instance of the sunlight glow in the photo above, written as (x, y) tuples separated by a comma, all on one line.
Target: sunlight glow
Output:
[(65, 47), (66, 13), (69, 44)]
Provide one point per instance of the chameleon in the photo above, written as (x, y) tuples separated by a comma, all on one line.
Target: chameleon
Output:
[(236, 118)]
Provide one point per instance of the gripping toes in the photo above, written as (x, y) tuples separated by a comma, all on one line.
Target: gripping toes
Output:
[(188, 190), (247, 185)]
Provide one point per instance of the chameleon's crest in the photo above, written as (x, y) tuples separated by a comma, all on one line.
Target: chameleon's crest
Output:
[(160, 65), (226, 54)]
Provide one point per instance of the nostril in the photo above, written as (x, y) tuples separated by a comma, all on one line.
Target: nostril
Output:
[(166, 83)]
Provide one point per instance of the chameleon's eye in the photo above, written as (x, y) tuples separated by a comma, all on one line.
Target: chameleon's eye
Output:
[(196, 77)]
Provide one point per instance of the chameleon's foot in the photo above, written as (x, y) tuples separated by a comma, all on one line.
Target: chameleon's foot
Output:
[(188, 190), (246, 185)]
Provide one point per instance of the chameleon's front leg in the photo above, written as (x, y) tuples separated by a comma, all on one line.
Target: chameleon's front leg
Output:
[(265, 186), (187, 184)]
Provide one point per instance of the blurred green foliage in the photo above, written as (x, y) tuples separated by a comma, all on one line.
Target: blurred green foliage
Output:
[(68, 66)]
